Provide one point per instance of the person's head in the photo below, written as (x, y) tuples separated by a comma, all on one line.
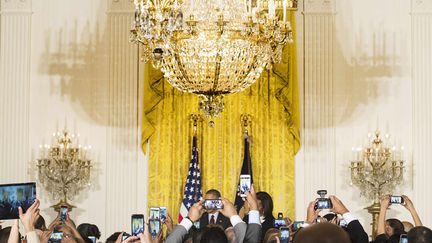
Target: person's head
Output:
[(196, 236), (407, 226), (331, 218), (395, 238), (322, 233), (213, 234), (210, 195), (393, 226), (265, 204), (87, 230), (113, 237), (271, 235), (420, 234)]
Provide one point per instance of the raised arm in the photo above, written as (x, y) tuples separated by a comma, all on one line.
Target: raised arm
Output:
[(385, 202), (410, 206)]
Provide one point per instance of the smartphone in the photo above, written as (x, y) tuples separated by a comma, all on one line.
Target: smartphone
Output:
[(396, 200), (279, 222), (284, 234), (245, 184), (163, 213), (154, 227), (323, 203), (14, 195), (55, 237), (137, 224), (125, 236), (92, 238), (297, 225), (213, 204), (403, 238), (63, 213), (155, 213)]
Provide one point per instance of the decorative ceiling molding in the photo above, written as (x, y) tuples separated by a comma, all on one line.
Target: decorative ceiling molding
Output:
[(121, 7), (16, 6), (421, 6), (320, 7)]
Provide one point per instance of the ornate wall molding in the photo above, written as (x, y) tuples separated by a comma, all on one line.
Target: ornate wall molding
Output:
[(15, 43), (319, 7), (318, 135), (124, 165), (121, 7), (15, 6), (421, 6), (421, 22)]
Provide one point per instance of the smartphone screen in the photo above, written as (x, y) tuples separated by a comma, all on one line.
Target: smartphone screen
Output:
[(55, 237), (154, 227), (213, 204), (137, 224), (163, 213), (245, 184), (63, 213), (403, 238), (284, 234), (297, 225), (14, 195), (92, 238), (396, 200), (155, 213), (323, 203), (279, 223)]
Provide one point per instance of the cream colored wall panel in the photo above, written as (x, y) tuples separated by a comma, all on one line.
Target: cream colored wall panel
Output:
[(125, 172), (318, 132), (15, 33), (422, 102)]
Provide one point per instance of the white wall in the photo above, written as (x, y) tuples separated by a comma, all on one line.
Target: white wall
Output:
[(71, 60), (366, 67)]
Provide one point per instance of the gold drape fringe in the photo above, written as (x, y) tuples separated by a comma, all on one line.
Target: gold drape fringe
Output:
[(275, 138)]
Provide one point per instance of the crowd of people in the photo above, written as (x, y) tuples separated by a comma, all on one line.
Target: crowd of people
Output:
[(227, 226)]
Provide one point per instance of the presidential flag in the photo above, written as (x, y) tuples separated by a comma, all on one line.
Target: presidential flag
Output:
[(192, 190), (245, 170)]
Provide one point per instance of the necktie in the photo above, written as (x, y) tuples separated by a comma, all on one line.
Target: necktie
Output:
[(212, 220)]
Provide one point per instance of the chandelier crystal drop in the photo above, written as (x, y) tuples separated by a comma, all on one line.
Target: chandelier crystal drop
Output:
[(212, 47)]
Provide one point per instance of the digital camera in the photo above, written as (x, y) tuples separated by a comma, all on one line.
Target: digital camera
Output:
[(322, 201)]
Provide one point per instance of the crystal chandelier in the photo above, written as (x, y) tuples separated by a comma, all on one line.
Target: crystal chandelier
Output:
[(212, 47), (376, 170), (63, 168)]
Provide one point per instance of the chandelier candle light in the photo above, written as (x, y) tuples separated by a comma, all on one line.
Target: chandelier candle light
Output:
[(63, 168), (376, 170), (212, 47)]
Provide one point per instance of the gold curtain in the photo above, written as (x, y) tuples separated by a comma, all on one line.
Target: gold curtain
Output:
[(273, 105)]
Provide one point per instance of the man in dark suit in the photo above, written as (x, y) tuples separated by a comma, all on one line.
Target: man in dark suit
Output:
[(244, 233), (213, 216)]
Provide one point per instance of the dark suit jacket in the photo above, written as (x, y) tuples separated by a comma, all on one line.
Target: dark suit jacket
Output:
[(221, 220), (356, 232)]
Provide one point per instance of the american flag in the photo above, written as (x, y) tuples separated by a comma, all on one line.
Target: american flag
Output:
[(192, 190)]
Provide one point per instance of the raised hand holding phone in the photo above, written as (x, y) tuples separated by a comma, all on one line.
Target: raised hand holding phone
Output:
[(245, 184), (137, 224)]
